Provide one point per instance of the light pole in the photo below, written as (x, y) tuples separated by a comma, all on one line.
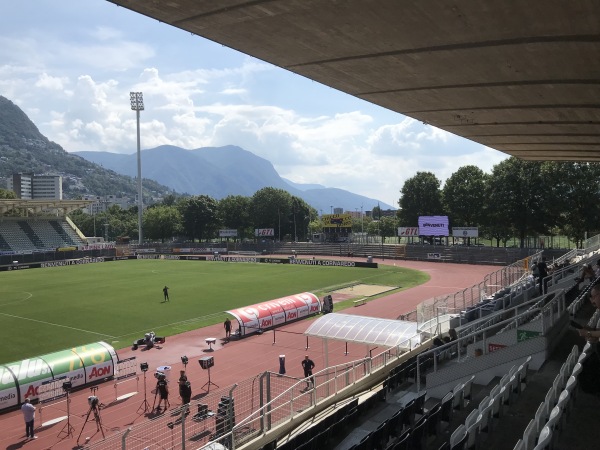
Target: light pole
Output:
[(137, 105), (362, 228)]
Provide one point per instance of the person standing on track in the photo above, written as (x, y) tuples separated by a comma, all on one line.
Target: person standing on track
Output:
[(185, 388), (227, 326), (308, 365), (162, 390), (28, 411)]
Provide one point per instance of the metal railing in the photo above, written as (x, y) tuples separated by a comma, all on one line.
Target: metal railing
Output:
[(328, 383), (547, 313), (253, 407), (493, 282)]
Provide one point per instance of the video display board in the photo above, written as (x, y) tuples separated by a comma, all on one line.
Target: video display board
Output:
[(433, 225)]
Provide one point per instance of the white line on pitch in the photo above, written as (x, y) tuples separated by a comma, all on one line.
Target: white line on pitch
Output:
[(56, 325), (20, 300)]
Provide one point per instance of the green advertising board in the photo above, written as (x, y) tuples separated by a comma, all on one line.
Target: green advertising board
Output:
[(523, 335)]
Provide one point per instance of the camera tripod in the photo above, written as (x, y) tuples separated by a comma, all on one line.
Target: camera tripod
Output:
[(68, 428), (144, 405), (209, 383), (96, 409)]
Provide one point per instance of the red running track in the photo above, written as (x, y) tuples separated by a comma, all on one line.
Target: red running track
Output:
[(234, 361)]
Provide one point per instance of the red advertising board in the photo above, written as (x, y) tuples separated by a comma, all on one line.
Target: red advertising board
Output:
[(494, 347), (275, 312)]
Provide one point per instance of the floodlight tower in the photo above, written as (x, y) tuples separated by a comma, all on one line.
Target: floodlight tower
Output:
[(137, 105)]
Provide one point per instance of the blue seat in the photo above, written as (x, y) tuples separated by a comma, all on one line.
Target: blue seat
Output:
[(433, 422), (404, 442), (446, 408), (396, 423), (382, 435), (420, 402), (419, 433), (409, 413)]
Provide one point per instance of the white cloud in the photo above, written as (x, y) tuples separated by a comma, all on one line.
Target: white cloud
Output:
[(45, 81), (74, 82)]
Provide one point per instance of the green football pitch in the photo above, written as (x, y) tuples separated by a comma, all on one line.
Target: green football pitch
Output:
[(51, 309)]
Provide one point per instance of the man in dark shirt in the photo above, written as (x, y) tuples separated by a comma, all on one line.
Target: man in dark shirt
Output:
[(308, 365), (166, 293), (185, 388), (227, 326), (163, 392)]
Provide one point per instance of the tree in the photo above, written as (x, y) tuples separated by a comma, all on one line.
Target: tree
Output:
[(516, 197), (162, 222), (300, 217), (116, 222), (573, 197), (388, 226), (463, 196), (83, 221), (271, 208), (169, 200), (234, 213), (6, 194), (199, 214), (420, 196)]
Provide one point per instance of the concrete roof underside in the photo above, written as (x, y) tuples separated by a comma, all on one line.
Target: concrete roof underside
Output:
[(520, 77)]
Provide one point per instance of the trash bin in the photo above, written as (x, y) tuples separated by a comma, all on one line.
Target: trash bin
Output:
[(216, 254), (369, 259), (281, 364)]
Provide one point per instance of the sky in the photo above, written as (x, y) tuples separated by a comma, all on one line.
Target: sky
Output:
[(70, 65)]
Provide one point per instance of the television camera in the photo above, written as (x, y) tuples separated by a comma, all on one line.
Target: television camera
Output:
[(93, 401)]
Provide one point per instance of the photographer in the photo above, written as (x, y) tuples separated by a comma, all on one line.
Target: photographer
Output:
[(163, 391), (185, 388)]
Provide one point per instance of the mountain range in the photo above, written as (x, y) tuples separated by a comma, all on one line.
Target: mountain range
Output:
[(24, 149), (214, 171), (222, 171)]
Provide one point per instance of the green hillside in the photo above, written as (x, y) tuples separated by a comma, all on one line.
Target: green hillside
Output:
[(24, 149)]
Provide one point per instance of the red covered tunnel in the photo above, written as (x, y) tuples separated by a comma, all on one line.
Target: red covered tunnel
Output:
[(269, 314)]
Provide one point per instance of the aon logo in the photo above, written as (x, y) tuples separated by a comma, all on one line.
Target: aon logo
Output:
[(98, 372)]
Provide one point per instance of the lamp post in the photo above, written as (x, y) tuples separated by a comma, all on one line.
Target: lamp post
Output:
[(362, 227), (137, 105)]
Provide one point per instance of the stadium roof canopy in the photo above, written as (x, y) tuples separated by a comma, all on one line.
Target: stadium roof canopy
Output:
[(36, 206), (365, 330), (520, 77)]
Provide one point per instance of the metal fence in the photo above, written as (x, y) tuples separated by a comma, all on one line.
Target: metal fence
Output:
[(436, 307), (238, 414), (539, 315)]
